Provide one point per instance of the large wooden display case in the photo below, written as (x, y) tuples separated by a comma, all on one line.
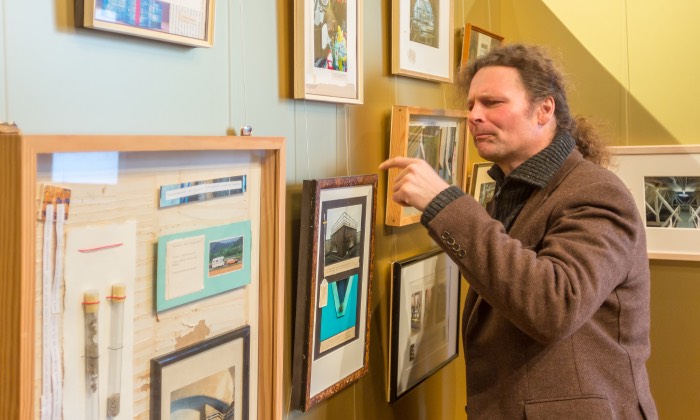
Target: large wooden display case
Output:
[(145, 163)]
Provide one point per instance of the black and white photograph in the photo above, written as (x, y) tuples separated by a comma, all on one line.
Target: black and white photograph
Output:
[(424, 319), (672, 201), (664, 184)]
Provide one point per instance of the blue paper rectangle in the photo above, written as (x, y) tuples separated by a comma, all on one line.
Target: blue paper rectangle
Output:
[(227, 262)]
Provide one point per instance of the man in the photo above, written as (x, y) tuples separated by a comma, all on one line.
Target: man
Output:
[(556, 320)]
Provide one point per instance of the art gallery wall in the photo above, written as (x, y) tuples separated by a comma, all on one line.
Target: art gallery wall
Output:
[(632, 66)]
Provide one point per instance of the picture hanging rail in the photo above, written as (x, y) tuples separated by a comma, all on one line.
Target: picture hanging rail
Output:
[(183, 22)]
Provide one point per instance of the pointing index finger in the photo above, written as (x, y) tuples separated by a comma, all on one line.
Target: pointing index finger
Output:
[(395, 162)]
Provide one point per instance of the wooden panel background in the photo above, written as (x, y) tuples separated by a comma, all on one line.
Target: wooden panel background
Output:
[(146, 163)]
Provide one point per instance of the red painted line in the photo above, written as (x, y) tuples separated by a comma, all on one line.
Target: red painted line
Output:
[(100, 248)]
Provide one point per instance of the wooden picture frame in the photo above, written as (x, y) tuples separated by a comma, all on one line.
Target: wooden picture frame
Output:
[(210, 378), (436, 135), (328, 51), (477, 42), (331, 336), (424, 323), (189, 23), (28, 162), (664, 183), (483, 186), (422, 39)]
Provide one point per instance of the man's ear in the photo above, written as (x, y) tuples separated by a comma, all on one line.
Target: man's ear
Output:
[(545, 111)]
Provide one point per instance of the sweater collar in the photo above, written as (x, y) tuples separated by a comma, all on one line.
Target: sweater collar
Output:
[(540, 168)]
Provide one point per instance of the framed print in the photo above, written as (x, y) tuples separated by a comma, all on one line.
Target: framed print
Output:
[(421, 39), (182, 22), (207, 380), (331, 336), (328, 50), (196, 264), (82, 241), (435, 135), (482, 186), (477, 42), (665, 184), (424, 323)]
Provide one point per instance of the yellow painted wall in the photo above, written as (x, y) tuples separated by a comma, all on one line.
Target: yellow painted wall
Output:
[(632, 67)]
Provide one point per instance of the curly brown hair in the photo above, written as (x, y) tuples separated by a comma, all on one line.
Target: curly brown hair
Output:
[(541, 78)]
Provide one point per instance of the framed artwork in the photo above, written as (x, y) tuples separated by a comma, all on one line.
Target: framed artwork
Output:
[(482, 186), (207, 380), (103, 222), (201, 263), (424, 323), (328, 50), (438, 136), (477, 42), (421, 39), (665, 184), (182, 22), (331, 336)]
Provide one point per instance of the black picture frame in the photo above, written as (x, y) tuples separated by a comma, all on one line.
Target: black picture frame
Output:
[(194, 368), (424, 323)]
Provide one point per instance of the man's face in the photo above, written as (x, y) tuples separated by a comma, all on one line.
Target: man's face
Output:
[(507, 129)]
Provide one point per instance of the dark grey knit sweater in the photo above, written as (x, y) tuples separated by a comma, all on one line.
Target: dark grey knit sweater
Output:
[(513, 190)]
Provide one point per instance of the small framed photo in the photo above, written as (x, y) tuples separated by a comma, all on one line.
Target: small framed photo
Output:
[(328, 50), (197, 264), (421, 39), (477, 42), (435, 135), (183, 22), (207, 380), (331, 336), (424, 323), (483, 186), (665, 184)]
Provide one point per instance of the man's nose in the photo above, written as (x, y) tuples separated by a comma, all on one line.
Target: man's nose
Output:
[(475, 114)]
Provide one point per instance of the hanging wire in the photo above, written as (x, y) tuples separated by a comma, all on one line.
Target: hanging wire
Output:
[(306, 126), (347, 148), (245, 103)]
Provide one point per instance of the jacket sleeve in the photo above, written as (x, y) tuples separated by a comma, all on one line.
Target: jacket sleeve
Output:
[(548, 288)]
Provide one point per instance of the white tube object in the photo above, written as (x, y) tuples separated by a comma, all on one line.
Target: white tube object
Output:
[(116, 342)]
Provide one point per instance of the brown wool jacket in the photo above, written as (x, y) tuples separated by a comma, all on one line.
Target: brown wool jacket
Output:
[(556, 320)]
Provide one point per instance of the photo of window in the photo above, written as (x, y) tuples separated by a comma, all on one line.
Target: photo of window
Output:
[(438, 136)]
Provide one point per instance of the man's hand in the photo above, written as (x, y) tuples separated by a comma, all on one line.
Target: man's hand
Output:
[(417, 182)]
